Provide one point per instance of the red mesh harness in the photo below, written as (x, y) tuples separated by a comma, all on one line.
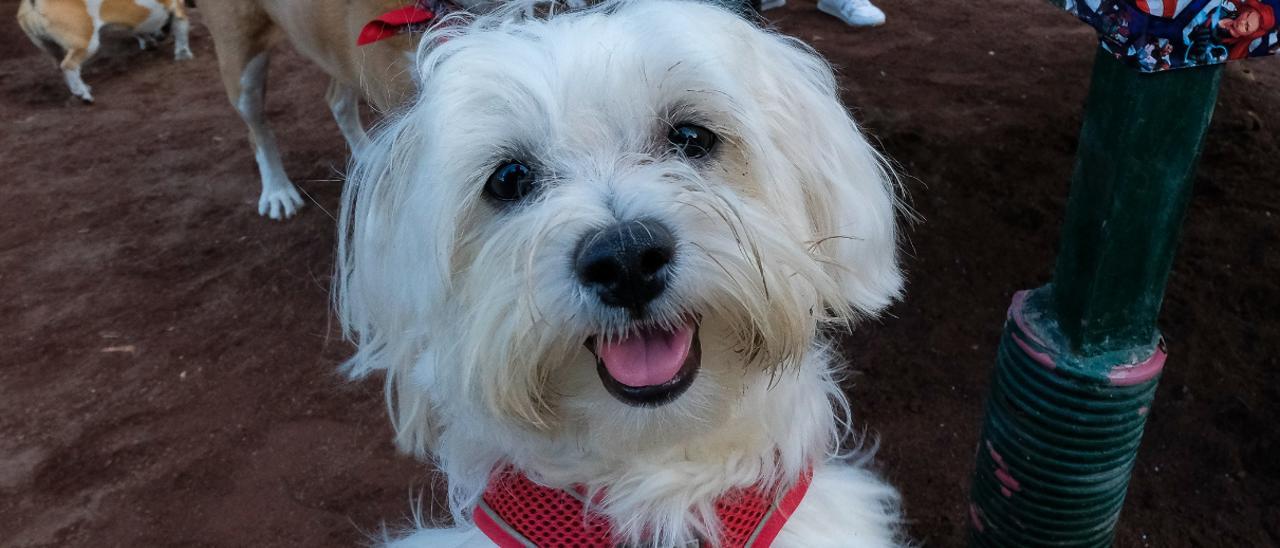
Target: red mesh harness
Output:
[(515, 512)]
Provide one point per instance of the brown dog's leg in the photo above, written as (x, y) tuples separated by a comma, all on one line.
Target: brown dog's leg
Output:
[(344, 103), (65, 30), (70, 65), (242, 37), (181, 31)]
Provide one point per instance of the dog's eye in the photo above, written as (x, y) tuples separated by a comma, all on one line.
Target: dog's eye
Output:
[(692, 141), (510, 182)]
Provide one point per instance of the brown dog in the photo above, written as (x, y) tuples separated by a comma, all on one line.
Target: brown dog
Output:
[(325, 31), (69, 29)]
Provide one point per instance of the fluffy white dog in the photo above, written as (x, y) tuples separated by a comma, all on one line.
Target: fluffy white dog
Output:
[(599, 258)]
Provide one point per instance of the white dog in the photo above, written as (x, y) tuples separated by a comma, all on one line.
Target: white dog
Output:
[(598, 259)]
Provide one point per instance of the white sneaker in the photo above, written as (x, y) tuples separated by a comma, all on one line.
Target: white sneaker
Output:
[(771, 4), (858, 13)]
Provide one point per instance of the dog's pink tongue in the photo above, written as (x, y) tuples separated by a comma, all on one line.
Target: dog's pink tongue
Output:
[(650, 357)]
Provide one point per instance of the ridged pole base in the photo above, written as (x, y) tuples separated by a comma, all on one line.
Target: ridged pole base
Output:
[(1060, 438), (1079, 358)]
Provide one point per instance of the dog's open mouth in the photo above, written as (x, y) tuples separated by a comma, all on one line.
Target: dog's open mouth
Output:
[(650, 366)]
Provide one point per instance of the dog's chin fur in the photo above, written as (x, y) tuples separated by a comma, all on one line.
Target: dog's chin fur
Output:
[(470, 306)]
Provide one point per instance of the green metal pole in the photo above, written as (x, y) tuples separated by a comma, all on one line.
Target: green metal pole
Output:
[(1079, 359)]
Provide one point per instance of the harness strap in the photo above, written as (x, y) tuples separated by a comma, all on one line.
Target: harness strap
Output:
[(516, 512)]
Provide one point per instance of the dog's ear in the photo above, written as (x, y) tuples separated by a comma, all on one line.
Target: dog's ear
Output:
[(849, 191), (394, 267)]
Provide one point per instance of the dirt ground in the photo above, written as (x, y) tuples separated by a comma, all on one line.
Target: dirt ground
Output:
[(169, 367)]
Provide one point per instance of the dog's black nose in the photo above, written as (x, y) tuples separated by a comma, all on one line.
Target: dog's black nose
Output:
[(626, 264)]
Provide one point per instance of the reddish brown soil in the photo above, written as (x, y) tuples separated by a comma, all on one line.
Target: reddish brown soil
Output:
[(169, 367)]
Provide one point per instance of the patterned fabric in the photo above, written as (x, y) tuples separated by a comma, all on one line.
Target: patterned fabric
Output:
[(516, 512), (1162, 8), (1156, 35)]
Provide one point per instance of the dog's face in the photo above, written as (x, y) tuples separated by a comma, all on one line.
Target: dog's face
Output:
[(612, 223)]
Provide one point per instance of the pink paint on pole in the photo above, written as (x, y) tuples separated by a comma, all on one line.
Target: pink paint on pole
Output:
[(996, 456), (1008, 480), (1016, 309), (1039, 357), (1016, 314), (1006, 492), (975, 516), (1137, 373)]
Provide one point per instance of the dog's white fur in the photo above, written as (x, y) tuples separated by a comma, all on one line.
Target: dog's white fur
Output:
[(786, 233)]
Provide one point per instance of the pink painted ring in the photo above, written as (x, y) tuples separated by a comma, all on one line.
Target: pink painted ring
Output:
[(1015, 313), (1138, 373), (1119, 375)]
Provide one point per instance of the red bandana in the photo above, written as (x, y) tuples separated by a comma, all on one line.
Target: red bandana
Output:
[(395, 22), (515, 512)]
